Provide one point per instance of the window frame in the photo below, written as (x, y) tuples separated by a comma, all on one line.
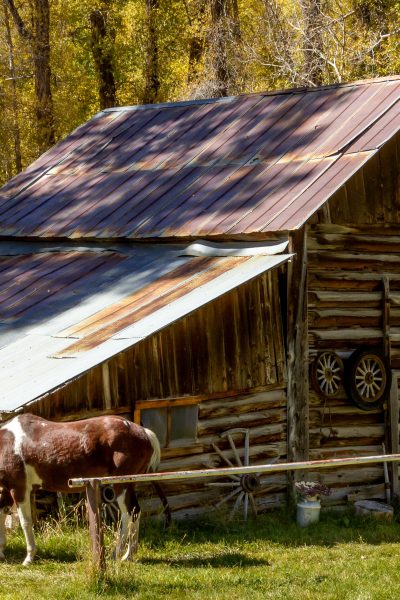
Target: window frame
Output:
[(168, 404)]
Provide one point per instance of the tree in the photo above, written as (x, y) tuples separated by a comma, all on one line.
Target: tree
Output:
[(225, 34), (196, 22), (38, 38), (152, 76), (15, 129), (313, 46), (102, 45)]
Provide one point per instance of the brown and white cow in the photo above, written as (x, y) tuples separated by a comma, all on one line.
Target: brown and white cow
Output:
[(35, 453)]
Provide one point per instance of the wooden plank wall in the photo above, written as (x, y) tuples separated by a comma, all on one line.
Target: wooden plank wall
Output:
[(228, 357), (264, 413), (347, 266)]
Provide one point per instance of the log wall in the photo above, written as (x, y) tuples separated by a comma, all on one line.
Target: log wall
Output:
[(346, 309), (228, 358)]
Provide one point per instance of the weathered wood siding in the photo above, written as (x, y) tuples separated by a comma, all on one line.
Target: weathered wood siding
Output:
[(371, 195), (346, 307), (228, 358)]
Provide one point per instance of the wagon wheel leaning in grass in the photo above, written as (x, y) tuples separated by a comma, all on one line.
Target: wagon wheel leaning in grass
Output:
[(241, 489)]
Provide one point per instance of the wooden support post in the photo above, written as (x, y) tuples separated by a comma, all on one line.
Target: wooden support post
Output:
[(386, 318), (393, 410), (95, 526), (298, 392)]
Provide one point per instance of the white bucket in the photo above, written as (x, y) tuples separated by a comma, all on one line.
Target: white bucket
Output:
[(308, 512)]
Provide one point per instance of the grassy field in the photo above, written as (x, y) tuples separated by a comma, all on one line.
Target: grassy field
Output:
[(340, 558)]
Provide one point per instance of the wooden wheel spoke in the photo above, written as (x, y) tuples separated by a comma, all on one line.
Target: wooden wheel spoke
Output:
[(234, 450), (237, 504), (229, 496), (327, 373), (242, 488), (253, 504), (247, 448), (224, 484), (369, 378), (218, 451), (246, 506)]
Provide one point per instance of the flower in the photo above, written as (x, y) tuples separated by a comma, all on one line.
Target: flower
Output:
[(311, 490)]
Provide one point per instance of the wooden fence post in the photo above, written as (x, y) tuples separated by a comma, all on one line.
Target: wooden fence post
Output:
[(95, 526)]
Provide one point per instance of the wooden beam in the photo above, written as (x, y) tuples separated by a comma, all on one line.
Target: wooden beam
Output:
[(106, 385), (309, 465), (386, 317), (297, 347), (393, 413)]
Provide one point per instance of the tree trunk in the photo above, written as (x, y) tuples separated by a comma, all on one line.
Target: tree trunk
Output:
[(225, 34), (197, 42), (220, 43), (41, 59), (103, 58), (313, 42), (39, 40), (14, 100), (152, 77)]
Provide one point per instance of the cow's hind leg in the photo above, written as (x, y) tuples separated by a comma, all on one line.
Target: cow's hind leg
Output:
[(3, 515), (130, 518), (6, 503)]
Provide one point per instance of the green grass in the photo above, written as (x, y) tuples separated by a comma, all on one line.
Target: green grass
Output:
[(341, 558)]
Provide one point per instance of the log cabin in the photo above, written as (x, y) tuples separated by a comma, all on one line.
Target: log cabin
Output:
[(225, 271)]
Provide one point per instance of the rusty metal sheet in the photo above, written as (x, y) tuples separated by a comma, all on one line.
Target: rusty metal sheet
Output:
[(380, 132), (87, 304), (197, 168), (128, 305), (315, 195), (370, 106), (282, 197), (203, 271)]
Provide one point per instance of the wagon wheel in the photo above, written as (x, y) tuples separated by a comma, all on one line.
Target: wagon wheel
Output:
[(241, 488), (327, 374), (368, 378), (110, 506)]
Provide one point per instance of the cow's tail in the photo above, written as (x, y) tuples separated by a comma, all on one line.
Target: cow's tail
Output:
[(156, 456)]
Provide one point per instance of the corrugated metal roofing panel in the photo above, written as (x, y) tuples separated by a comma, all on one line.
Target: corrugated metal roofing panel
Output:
[(71, 308), (227, 168), (315, 195)]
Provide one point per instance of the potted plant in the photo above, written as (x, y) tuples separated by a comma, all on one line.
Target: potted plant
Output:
[(309, 505)]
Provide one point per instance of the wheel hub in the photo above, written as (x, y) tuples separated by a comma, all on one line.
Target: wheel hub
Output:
[(369, 378), (250, 483)]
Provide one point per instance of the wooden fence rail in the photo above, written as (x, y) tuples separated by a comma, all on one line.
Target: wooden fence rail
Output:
[(94, 497)]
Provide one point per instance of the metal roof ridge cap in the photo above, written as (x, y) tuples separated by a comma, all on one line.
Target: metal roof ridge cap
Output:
[(331, 86), (223, 99), (226, 99), (180, 103)]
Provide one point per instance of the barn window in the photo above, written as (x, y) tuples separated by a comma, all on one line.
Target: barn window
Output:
[(173, 424)]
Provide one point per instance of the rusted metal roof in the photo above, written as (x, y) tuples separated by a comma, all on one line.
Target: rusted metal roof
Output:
[(235, 167), (66, 308)]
